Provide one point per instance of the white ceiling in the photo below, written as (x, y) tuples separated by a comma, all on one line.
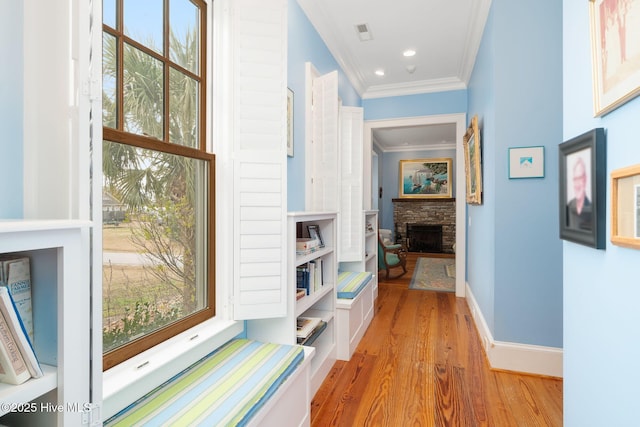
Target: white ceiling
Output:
[(444, 33)]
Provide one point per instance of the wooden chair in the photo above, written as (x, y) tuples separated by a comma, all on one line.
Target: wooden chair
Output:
[(390, 257)]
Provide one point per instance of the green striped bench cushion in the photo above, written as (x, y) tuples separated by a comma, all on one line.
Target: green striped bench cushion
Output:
[(225, 388), (351, 283)]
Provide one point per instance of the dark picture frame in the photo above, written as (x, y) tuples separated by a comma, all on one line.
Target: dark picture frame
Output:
[(314, 233), (582, 195)]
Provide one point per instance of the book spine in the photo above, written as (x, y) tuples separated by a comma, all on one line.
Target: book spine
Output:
[(10, 313), (12, 366), (18, 277)]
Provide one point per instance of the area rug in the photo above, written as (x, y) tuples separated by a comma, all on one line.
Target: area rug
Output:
[(430, 274)]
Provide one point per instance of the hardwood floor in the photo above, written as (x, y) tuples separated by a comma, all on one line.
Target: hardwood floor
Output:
[(421, 363)]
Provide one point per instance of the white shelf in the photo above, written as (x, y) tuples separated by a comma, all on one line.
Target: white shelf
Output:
[(35, 387), (59, 261), (306, 302)]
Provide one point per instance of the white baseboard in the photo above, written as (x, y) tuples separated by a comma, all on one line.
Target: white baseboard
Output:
[(525, 358)]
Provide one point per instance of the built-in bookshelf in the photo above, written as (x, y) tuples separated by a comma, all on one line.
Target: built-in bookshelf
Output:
[(320, 301), (60, 303)]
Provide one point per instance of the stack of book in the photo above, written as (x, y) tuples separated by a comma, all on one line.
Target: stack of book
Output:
[(307, 245), (308, 329), (18, 361)]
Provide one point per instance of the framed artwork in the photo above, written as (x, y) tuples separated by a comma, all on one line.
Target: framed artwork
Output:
[(625, 207), (473, 163), (582, 189), (425, 178), (526, 162), (314, 233), (615, 62), (289, 122)]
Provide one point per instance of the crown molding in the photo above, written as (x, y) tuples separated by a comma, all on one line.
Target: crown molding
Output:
[(414, 88), (480, 12)]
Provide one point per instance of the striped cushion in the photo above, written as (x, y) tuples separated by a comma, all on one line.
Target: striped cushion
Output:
[(225, 388), (351, 283)]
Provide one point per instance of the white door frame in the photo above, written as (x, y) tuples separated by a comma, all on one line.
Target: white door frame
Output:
[(460, 120)]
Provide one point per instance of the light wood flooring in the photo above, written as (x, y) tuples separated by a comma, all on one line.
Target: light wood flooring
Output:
[(421, 363)]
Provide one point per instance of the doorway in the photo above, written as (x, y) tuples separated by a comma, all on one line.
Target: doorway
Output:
[(459, 120)]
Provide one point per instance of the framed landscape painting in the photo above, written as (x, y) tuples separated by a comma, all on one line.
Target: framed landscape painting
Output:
[(425, 178), (473, 163)]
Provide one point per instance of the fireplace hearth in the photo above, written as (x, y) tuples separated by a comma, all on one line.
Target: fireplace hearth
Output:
[(424, 238)]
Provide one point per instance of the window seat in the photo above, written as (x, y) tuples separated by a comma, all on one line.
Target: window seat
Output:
[(354, 310), (243, 383)]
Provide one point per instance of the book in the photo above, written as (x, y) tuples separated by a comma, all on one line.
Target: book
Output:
[(300, 293), (14, 322), (306, 243), (314, 334), (13, 369), (16, 275), (306, 325)]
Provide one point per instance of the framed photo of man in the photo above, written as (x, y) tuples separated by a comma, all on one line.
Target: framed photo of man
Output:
[(582, 189)]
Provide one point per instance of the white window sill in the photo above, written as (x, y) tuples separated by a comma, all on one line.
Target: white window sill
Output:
[(132, 379)]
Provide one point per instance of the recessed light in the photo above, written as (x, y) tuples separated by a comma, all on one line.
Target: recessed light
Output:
[(409, 52), (380, 73)]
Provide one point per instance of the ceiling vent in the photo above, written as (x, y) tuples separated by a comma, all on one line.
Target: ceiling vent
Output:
[(363, 32)]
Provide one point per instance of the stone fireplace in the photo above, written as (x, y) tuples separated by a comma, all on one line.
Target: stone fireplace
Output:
[(433, 219)]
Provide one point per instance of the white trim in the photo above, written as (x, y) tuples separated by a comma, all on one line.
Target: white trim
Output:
[(459, 119), (310, 73), (525, 358), (414, 88)]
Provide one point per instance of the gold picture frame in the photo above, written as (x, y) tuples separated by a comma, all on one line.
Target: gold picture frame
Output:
[(616, 76), (425, 178), (625, 207), (473, 163)]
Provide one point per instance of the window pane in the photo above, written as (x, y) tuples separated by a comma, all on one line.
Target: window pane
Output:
[(154, 251), (143, 22), (109, 67), (184, 30), (109, 13), (143, 93), (183, 109)]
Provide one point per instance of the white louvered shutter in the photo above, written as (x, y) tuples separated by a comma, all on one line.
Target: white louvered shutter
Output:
[(259, 39), (325, 144), (351, 218)]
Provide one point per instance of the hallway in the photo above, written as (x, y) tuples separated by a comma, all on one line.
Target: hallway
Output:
[(420, 363)]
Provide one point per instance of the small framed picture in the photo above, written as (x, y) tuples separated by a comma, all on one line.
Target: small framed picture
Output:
[(526, 162), (314, 233), (625, 207), (289, 122), (583, 189)]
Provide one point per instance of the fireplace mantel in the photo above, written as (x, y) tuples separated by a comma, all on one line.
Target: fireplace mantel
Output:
[(426, 199)]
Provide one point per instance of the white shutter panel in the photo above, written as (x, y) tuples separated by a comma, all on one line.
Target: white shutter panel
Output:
[(350, 224), (259, 52), (325, 143)]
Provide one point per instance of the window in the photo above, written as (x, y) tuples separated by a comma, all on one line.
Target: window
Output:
[(158, 178)]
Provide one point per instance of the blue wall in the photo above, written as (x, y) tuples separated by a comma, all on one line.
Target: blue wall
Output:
[(601, 292), (516, 92), (11, 108), (427, 104), (305, 45)]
